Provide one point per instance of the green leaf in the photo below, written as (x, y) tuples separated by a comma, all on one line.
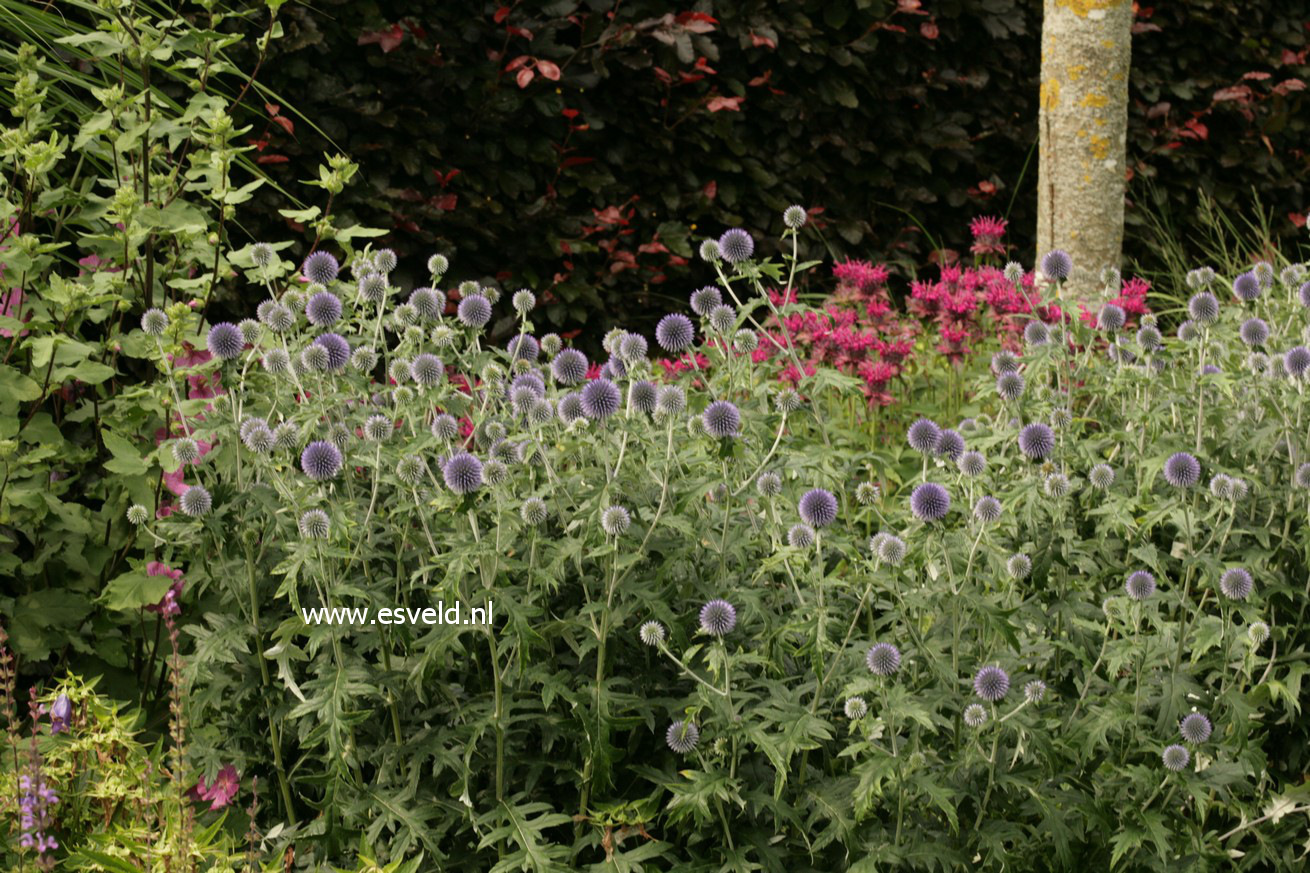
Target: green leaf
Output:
[(15, 386), (127, 459), (134, 589)]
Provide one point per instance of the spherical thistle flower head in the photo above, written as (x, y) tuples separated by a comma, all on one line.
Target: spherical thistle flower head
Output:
[(541, 411), (523, 347), (1057, 264), (137, 514), (320, 267), (378, 428), (631, 347), (323, 309), (295, 300), (855, 708), (950, 445), (1221, 486), (1101, 476), (523, 301), (745, 341), (406, 316), (1188, 331), (1257, 631), (800, 536), (723, 318), (736, 245), (225, 340), (1037, 441), (286, 436), (788, 401), (601, 399), (438, 265), (569, 407), (1013, 272), (1301, 478), (1010, 386), (1239, 489), (1254, 332), (1034, 691), (462, 473), (1149, 339), (410, 470), (1005, 361), (275, 316), (1111, 318), (474, 311), (259, 439), (1296, 362), (930, 502), (615, 520), (1264, 273), (817, 507), (972, 464), (186, 450), (251, 331), (315, 358), (427, 370), (991, 683), (249, 424), (769, 484), (718, 618), (1203, 307), (495, 471), (1198, 278), (793, 217), (883, 659), (340, 435), (709, 251), (987, 509), (1019, 566), (154, 322), (682, 737), (892, 550), (1195, 728), (530, 380), (675, 333), (1111, 277), (923, 436), (1056, 485), (337, 348), (320, 460), (643, 396), (314, 525), (721, 419), (195, 501), (672, 400), (1175, 757), (262, 254), (703, 300), (427, 302), (975, 715), (1246, 287), (652, 633), (1182, 470), (1236, 583), (1140, 584), (866, 493), (613, 369), (533, 511), (445, 427)]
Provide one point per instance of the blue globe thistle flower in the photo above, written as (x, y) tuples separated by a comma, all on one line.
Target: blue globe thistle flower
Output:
[(137, 514), (524, 347), (1221, 486), (259, 440), (745, 341), (800, 536), (551, 344), (675, 333), (523, 301), (1112, 318), (186, 450), (569, 407), (1203, 307), (987, 510), (1056, 485), (1182, 470), (1175, 757), (262, 254), (378, 428), (384, 260), (1035, 333), (709, 250), (533, 511), (1200, 278), (1149, 339), (930, 502), (613, 369), (1013, 273), (1247, 287), (320, 267), (496, 471), (1301, 478), (315, 358), (372, 288), (972, 464), (788, 401), (866, 493), (1111, 278), (818, 507), (855, 708), (1037, 441), (314, 525), (1195, 728), (275, 316), (1140, 584), (438, 265), (615, 520), (1010, 386), (1296, 362), (652, 633), (1005, 361), (1034, 691), (1254, 332), (504, 451), (769, 484), (682, 737), (883, 659), (195, 501), (1057, 264), (672, 400), (1258, 632), (723, 318), (321, 460), (474, 311), (793, 217), (1188, 331), (718, 618), (975, 715), (1303, 295), (429, 304), (721, 419), (154, 322), (337, 348), (703, 300), (923, 436), (643, 396), (410, 470), (601, 399), (1236, 583), (532, 381), (251, 331), (891, 550), (1264, 273), (248, 424), (950, 445), (225, 340), (286, 436), (633, 347), (1019, 566), (736, 245), (445, 427), (427, 370), (991, 683), (1101, 476), (323, 309), (462, 473)]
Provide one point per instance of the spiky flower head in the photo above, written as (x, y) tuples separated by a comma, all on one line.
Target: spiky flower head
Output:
[(314, 525), (378, 428), (1037, 441), (672, 400), (923, 436), (800, 536), (1101, 476), (643, 396), (890, 549), (337, 348), (462, 473), (445, 427), (1056, 485), (818, 507), (703, 300), (1263, 272), (286, 436), (601, 399), (315, 358), (793, 217), (1296, 362), (987, 510), (972, 464), (769, 484), (652, 633), (1013, 272), (1254, 332), (1238, 488), (275, 316), (496, 471), (1111, 277), (1005, 361), (1195, 728), (709, 251), (225, 340), (615, 520), (950, 445), (856, 708), (259, 439), (787, 401), (1010, 386), (320, 460), (721, 419), (569, 407), (1203, 307), (975, 715), (1140, 584), (569, 367), (320, 267), (1200, 278), (154, 322), (675, 333), (930, 502), (137, 514), (1056, 264), (718, 618), (323, 309), (1149, 339), (682, 737), (1246, 287), (1258, 632), (631, 347), (1188, 331), (1236, 583), (251, 331), (195, 501), (1175, 757), (1221, 486), (1182, 470), (1111, 318), (723, 318), (883, 659), (474, 311), (523, 347), (736, 245), (1301, 478), (1019, 566), (410, 470), (186, 450), (523, 301), (866, 493), (1034, 690), (991, 683)]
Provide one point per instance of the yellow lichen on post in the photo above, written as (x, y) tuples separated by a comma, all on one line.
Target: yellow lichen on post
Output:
[(1081, 8)]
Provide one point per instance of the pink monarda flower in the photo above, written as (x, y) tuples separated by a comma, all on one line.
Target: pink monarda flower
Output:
[(862, 275), (987, 231), (221, 791), (168, 603)]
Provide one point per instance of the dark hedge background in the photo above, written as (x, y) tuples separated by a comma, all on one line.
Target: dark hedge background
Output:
[(582, 148)]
